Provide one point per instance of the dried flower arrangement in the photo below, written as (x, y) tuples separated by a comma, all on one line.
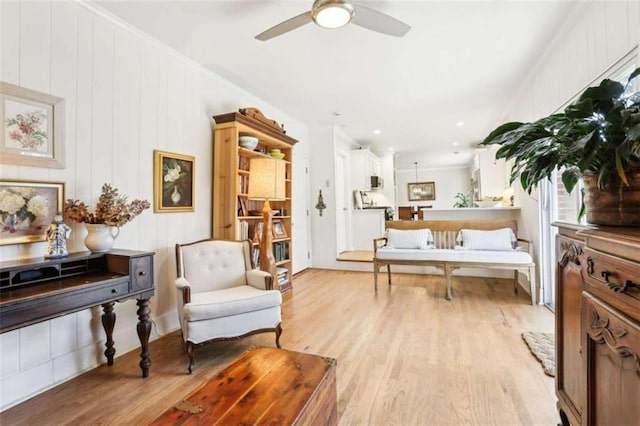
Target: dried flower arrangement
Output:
[(112, 209)]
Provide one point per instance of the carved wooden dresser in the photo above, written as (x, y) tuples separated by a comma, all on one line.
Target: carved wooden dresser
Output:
[(598, 325)]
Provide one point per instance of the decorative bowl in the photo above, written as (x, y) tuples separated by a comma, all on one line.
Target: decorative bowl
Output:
[(487, 204), (249, 142), (278, 155)]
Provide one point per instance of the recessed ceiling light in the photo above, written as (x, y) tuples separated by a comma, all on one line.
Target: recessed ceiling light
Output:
[(456, 144), (376, 132), (456, 152), (460, 124), (336, 114)]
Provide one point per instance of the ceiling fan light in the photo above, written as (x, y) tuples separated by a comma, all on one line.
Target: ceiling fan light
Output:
[(332, 14)]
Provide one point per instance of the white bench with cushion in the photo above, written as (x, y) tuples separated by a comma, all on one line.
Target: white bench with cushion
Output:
[(450, 245)]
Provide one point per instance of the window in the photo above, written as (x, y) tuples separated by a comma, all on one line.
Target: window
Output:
[(556, 204)]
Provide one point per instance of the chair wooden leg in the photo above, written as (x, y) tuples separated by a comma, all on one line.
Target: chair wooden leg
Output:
[(389, 273), (515, 281), (447, 277), (278, 333), (190, 354), (376, 269), (532, 284)]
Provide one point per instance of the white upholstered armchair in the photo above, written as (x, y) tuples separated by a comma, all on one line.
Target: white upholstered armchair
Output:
[(221, 296)]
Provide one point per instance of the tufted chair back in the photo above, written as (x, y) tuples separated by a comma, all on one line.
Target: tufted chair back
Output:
[(214, 264)]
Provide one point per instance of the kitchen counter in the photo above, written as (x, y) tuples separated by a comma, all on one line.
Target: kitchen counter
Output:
[(475, 213)]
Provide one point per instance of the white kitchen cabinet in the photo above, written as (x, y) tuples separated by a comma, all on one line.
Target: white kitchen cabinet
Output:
[(366, 225), (362, 165)]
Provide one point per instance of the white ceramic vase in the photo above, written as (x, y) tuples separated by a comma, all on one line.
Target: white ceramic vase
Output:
[(100, 237)]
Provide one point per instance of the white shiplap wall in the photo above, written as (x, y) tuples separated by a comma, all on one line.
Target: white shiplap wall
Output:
[(595, 37), (126, 95)]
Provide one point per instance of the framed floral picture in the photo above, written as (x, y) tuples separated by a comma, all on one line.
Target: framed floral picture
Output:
[(174, 184), (32, 127), (27, 209)]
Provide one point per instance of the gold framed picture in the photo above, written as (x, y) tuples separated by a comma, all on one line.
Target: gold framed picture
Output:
[(174, 182), (27, 209), (421, 191), (278, 229)]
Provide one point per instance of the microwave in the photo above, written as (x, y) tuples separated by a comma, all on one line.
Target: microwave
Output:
[(376, 182)]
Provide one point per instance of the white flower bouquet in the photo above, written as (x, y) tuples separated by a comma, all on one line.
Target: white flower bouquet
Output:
[(20, 207)]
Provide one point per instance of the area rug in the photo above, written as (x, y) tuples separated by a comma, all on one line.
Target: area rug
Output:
[(542, 345)]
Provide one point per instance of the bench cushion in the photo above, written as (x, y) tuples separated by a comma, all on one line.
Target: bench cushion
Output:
[(497, 239), (409, 238), (511, 257)]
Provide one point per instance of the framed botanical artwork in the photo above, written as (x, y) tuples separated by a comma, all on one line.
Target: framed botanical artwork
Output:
[(32, 127), (421, 191), (27, 209), (278, 229), (174, 182)]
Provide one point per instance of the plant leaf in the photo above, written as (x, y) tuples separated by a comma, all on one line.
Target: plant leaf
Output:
[(507, 127), (580, 109), (633, 75), (569, 179)]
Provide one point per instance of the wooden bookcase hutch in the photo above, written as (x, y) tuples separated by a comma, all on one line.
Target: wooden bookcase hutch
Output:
[(235, 216)]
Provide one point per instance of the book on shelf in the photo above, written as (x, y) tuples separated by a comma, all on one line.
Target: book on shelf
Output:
[(281, 251), (242, 230), (243, 163), (242, 207), (243, 184), (282, 275)]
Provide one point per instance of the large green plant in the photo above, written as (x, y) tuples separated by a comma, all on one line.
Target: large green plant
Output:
[(598, 134)]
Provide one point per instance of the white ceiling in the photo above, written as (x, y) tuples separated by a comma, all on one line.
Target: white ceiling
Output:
[(461, 61)]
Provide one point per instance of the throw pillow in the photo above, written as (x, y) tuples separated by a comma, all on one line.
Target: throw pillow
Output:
[(497, 239), (409, 238)]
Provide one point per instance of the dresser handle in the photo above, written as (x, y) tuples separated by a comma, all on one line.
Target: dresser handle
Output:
[(590, 266), (623, 288), (629, 284), (605, 275)]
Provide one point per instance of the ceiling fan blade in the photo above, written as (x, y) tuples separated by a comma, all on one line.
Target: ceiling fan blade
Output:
[(378, 21), (285, 27)]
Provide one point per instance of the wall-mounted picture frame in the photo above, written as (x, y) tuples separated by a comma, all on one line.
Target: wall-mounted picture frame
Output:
[(278, 229), (32, 127), (421, 191), (174, 182), (27, 209)]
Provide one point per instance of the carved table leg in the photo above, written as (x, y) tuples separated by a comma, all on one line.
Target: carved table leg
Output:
[(108, 322), (144, 331)]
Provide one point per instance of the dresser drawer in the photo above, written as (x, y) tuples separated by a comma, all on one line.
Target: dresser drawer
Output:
[(74, 299), (616, 281), (141, 273)]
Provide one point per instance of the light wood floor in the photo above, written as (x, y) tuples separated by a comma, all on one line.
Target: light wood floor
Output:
[(406, 356)]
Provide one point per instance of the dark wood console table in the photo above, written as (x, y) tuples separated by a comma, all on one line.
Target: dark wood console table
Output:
[(38, 289)]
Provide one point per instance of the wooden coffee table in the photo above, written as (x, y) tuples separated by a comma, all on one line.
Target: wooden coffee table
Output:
[(263, 385)]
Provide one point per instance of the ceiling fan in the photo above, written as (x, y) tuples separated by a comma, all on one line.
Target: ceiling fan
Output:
[(336, 14)]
